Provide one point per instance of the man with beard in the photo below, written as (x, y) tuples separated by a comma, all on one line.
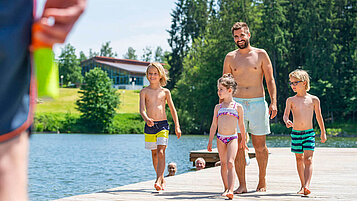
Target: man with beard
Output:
[(249, 65)]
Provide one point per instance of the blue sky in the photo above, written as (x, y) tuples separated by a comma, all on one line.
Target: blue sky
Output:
[(135, 23)]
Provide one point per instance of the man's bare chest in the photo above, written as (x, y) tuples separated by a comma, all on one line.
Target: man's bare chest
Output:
[(242, 64)]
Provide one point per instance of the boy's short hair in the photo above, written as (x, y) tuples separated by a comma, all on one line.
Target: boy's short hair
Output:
[(302, 76), (161, 70), (240, 25)]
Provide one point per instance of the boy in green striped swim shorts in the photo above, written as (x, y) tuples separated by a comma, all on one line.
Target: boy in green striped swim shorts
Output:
[(303, 106)]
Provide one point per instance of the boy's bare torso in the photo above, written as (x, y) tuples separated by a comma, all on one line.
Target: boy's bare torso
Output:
[(302, 108), (247, 72), (155, 100)]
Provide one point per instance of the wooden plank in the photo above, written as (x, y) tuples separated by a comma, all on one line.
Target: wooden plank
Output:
[(334, 178), (210, 157)]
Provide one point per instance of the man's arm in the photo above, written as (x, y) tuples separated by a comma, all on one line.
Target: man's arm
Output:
[(269, 78), (65, 13), (226, 69), (226, 66)]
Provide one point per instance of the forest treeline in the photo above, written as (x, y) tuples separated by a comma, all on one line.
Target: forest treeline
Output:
[(318, 36)]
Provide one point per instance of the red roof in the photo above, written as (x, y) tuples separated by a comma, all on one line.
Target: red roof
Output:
[(124, 61)]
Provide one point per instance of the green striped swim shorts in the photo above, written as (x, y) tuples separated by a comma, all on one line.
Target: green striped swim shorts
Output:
[(302, 140)]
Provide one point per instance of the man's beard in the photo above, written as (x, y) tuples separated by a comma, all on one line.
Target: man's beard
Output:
[(245, 44)]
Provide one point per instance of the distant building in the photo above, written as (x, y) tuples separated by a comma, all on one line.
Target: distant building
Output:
[(125, 73)]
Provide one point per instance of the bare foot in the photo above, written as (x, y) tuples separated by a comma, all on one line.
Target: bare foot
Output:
[(157, 187), (262, 187), (225, 193), (163, 184), (230, 195), (240, 190), (306, 191), (301, 191)]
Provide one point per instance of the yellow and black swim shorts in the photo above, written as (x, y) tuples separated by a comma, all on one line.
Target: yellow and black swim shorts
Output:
[(158, 134)]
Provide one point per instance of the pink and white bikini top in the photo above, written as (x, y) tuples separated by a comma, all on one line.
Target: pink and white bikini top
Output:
[(228, 111)]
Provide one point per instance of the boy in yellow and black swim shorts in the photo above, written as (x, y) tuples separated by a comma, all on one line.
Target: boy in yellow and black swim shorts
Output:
[(153, 99)]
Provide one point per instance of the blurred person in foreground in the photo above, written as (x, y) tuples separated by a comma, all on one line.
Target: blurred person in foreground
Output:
[(18, 90)]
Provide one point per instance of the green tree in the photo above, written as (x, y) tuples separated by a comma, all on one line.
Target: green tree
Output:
[(147, 54), (196, 92), (317, 36), (82, 56), (92, 53), (98, 101), (159, 55), (274, 38), (345, 67), (107, 51), (69, 65), (189, 20), (130, 54)]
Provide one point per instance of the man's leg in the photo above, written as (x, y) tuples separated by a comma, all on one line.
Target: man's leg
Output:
[(261, 151), (13, 168), (239, 164)]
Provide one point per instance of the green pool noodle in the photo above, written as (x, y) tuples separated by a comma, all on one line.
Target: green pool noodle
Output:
[(46, 73)]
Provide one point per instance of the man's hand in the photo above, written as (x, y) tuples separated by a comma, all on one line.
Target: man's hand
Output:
[(64, 14), (273, 110), (243, 143)]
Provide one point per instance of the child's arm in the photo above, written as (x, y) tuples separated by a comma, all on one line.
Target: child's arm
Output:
[(149, 121), (319, 119), (288, 123), (213, 128), (173, 113), (243, 143)]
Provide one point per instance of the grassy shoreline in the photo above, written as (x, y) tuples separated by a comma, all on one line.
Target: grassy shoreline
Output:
[(132, 123), (61, 115)]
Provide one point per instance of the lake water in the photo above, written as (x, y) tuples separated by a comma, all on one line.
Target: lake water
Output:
[(63, 165)]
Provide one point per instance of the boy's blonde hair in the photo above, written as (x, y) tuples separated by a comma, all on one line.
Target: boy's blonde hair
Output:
[(161, 70), (302, 76), (228, 81)]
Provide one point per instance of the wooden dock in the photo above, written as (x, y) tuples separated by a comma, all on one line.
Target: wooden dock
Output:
[(211, 157), (334, 178)]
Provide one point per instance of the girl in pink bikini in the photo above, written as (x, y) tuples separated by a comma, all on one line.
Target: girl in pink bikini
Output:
[(225, 118)]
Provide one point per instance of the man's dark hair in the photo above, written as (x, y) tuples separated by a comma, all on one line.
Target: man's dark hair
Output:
[(240, 25)]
